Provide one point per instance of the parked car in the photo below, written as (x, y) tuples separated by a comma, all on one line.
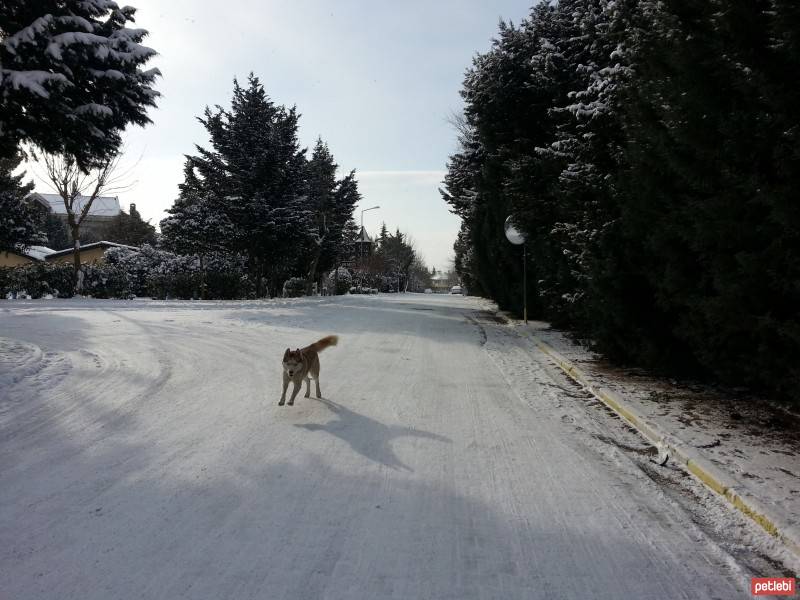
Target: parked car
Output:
[(456, 289), (428, 291)]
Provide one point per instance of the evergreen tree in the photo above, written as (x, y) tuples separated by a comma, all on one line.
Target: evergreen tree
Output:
[(383, 236), (72, 77), (130, 229), (709, 226), (649, 150), (508, 94), (20, 224), (342, 229), (260, 196), (349, 248), (396, 256), (196, 227), (331, 203), (253, 174), (55, 232)]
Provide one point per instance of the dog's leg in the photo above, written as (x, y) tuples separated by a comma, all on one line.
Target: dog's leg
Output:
[(296, 389), (285, 385), (308, 387), (315, 375)]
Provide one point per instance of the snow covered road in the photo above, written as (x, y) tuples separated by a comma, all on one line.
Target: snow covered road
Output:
[(143, 455)]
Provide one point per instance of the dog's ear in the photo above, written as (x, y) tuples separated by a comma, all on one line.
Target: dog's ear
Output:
[(285, 354)]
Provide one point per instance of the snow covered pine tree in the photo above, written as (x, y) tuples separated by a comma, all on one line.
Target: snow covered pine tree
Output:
[(71, 78)]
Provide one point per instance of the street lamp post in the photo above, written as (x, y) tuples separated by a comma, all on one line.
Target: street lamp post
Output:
[(516, 237), (361, 244)]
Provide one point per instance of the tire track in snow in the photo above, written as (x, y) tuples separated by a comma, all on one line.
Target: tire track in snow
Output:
[(209, 490)]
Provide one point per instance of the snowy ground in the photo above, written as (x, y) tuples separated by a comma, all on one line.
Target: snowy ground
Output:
[(754, 442), (143, 454)]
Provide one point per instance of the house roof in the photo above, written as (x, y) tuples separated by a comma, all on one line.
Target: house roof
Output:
[(100, 244), (38, 252), (103, 206), (363, 236)]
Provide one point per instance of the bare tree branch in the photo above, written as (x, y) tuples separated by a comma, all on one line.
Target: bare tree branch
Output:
[(76, 186)]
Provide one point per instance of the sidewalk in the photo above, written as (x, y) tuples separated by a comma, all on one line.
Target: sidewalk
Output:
[(750, 445)]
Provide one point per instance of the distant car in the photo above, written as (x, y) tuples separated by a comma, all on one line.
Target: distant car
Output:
[(456, 289), (428, 291)]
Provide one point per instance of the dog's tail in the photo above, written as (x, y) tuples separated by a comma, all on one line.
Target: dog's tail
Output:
[(320, 345)]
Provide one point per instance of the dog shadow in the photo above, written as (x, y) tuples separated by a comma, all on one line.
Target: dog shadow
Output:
[(368, 437)]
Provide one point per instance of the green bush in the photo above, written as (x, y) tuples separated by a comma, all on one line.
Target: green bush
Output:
[(61, 279), (32, 279), (183, 285), (226, 285), (294, 287), (37, 280), (5, 274), (341, 284), (106, 281)]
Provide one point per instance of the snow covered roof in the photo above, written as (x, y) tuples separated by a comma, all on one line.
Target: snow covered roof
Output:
[(100, 244), (38, 252), (363, 236), (103, 206)]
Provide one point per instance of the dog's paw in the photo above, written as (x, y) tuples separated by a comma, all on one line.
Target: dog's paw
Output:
[(281, 402)]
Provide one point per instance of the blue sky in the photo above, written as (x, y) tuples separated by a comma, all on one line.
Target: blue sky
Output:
[(376, 80)]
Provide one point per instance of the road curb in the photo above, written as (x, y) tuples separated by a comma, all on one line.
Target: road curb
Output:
[(707, 473)]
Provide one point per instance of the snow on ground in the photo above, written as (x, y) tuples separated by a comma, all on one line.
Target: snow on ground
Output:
[(755, 442), (143, 454)]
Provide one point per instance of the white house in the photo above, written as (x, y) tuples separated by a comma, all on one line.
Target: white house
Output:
[(103, 210)]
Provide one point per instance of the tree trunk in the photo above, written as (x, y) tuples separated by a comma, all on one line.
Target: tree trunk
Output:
[(336, 278), (259, 278), (76, 257), (312, 274), (253, 269), (202, 278)]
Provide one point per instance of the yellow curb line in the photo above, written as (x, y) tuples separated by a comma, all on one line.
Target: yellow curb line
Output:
[(694, 466)]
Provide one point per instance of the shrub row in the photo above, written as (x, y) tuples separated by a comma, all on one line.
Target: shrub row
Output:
[(150, 272), (37, 280)]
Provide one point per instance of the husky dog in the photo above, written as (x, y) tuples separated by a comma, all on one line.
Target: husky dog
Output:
[(301, 364)]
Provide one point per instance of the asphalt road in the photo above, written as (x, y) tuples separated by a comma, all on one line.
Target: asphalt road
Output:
[(143, 455)]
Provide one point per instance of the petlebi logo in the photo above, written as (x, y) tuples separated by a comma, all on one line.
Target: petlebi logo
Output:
[(772, 586)]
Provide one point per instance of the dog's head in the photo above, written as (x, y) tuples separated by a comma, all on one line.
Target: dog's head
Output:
[(292, 361)]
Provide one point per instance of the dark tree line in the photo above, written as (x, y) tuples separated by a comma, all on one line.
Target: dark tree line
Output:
[(650, 152), (130, 229), (20, 223), (398, 263), (255, 193)]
